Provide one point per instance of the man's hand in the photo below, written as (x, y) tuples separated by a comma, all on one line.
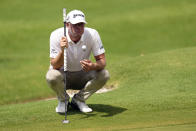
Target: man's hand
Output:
[(87, 65), (63, 43), (58, 61)]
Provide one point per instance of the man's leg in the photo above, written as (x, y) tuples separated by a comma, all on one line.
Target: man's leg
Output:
[(98, 80), (55, 80)]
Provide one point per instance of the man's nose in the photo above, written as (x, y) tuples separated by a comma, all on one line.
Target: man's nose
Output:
[(79, 27)]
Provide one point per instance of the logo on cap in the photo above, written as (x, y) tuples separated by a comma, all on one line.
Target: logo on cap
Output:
[(75, 15)]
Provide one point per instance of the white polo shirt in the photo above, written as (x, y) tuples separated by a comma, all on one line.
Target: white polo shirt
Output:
[(75, 54)]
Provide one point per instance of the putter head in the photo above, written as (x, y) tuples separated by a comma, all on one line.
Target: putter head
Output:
[(65, 121)]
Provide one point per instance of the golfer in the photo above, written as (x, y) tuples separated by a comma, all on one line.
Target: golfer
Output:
[(83, 74)]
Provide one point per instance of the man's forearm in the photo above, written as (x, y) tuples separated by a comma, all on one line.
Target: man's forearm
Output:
[(58, 61), (99, 65), (100, 62)]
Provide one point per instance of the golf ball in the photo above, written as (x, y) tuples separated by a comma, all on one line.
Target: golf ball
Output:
[(84, 47)]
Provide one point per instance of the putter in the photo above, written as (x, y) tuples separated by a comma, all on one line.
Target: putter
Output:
[(65, 67)]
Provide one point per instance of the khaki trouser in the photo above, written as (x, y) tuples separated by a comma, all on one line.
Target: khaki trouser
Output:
[(87, 82)]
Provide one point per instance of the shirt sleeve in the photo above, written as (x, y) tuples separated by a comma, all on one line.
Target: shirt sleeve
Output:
[(54, 45), (97, 48)]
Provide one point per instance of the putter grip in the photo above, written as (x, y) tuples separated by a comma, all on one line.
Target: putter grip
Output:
[(65, 59)]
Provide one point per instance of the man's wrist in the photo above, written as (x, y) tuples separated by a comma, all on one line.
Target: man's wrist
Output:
[(94, 66), (62, 50), (61, 53)]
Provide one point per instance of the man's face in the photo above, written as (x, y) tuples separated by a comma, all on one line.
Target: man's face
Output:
[(76, 30)]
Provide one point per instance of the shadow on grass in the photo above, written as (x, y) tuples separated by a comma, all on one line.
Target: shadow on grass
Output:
[(98, 109), (107, 109)]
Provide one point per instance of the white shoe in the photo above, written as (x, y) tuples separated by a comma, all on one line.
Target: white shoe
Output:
[(82, 106), (61, 107)]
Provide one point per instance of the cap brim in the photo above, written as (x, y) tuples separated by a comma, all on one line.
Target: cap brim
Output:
[(76, 22)]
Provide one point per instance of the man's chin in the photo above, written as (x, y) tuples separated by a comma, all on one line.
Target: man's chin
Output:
[(78, 35)]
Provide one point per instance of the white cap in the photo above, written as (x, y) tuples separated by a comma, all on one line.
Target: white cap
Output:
[(76, 16)]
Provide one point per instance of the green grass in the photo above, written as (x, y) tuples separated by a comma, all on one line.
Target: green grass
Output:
[(151, 56), (160, 97)]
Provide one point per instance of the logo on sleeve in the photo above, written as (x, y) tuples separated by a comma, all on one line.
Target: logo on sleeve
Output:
[(53, 51), (101, 47)]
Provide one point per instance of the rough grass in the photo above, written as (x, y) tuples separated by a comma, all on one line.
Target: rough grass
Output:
[(135, 28)]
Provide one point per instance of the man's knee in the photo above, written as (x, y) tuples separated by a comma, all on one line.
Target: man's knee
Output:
[(53, 77), (103, 75)]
